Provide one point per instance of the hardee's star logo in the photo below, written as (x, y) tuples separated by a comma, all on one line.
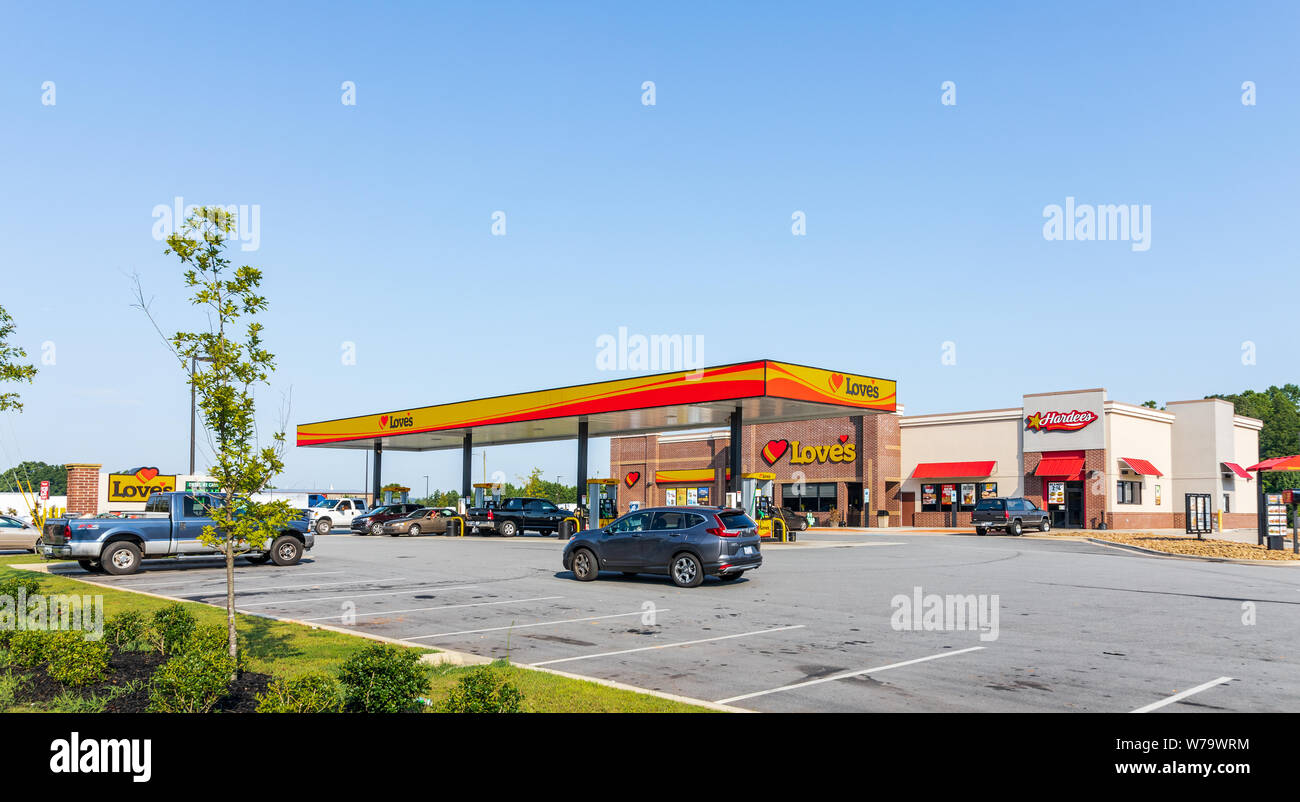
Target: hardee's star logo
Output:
[(1034, 421)]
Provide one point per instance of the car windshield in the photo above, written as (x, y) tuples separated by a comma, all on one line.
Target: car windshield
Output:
[(379, 510), (327, 503)]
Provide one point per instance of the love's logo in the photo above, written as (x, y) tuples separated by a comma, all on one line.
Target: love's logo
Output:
[(383, 421), (836, 380), (844, 438), (774, 450), (631, 478), (146, 475)]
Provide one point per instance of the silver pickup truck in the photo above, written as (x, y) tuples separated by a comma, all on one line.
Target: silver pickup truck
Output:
[(170, 527)]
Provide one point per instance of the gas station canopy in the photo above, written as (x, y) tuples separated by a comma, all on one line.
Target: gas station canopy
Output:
[(761, 391)]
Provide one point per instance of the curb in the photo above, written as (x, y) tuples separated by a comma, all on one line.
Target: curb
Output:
[(1194, 557), (439, 657)]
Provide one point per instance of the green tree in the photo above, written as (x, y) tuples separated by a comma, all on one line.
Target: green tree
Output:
[(234, 363), (11, 367), (35, 473), (1279, 409)]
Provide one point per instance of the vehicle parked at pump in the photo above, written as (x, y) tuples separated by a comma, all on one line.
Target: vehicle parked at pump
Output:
[(794, 520), (171, 527), (686, 543), (423, 521), (18, 534), (515, 515), (372, 522), (1011, 515), (331, 512)]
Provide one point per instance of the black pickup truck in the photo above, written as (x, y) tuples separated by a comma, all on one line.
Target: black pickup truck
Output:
[(515, 515), (1011, 515)]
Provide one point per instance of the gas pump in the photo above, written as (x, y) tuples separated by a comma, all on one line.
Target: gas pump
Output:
[(602, 495), (487, 495), (756, 500)]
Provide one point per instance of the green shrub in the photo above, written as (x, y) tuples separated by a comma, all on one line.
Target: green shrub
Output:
[(128, 631), (190, 682), (383, 679), (207, 638), (310, 693), (27, 647), (73, 660), (171, 627), (13, 581), (484, 690)]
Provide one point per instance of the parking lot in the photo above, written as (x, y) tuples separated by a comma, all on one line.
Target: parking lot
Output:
[(1080, 627)]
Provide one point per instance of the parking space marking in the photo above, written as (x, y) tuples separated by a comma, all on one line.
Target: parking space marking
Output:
[(666, 645), (221, 578), (847, 674), (358, 595), (313, 585), (443, 607), (535, 624), (1183, 695)]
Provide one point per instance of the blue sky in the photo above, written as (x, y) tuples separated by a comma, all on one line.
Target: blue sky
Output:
[(924, 221)]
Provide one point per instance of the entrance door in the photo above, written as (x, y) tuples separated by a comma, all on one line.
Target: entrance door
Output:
[(907, 508), (1074, 505)]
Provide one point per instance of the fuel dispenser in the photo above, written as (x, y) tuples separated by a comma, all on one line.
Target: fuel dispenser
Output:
[(487, 495), (602, 498), (756, 490)]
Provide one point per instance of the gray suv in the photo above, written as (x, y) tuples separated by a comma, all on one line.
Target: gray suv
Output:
[(1011, 515), (686, 543)]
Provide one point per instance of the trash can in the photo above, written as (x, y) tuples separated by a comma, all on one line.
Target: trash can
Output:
[(1274, 542), (882, 518)]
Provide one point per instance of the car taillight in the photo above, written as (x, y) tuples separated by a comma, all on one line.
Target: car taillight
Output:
[(1006, 516), (720, 530), (489, 515)]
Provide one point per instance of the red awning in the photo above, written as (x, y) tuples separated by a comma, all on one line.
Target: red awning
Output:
[(1291, 463), (1069, 467), (1237, 469), (953, 470), (1141, 466)]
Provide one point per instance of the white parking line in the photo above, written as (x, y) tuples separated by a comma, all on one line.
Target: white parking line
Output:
[(221, 578), (1183, 695), (443, 607), (536, 624), (311, 585), (666, 645), (411, 591), (847, 674)]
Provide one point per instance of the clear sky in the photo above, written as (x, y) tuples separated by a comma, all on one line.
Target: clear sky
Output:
[(924, 221)]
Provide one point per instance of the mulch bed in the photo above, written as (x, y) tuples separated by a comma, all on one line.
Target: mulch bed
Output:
[(138, 667)]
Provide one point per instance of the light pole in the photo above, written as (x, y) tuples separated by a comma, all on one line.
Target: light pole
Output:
[(426, 487), (194, 360)]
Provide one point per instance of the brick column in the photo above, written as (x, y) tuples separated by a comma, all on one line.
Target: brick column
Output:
[(83, 488)]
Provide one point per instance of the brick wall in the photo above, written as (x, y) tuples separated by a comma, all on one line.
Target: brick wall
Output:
[(83, 488)]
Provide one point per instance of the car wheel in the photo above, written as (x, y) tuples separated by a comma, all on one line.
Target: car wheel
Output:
[(1013, 528), (508, 529), (376, 529), (414, 531), (585, 567), (981, 531), (323, 526), (803, 525), (286, 550), (1045, 526), (686, 571), (730, 577), (121, 558), (93, 566)]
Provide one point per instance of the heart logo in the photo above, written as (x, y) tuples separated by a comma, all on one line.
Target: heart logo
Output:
[(383, 421), (146, 475), (631, 477), (836, 380), (774, 449), (844, 438)]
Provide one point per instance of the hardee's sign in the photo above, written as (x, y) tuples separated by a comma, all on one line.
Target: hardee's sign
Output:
[(138, 486), (1053, 421), (844, 451)]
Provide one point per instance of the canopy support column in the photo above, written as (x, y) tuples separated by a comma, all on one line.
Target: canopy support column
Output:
[(583, 501), (733, 456), (466, 465), (375, 482)]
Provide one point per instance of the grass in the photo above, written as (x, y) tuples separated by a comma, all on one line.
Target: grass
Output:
[(284, 649), (549, 693)]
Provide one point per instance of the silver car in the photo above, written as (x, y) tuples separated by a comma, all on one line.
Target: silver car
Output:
[(15, 534)]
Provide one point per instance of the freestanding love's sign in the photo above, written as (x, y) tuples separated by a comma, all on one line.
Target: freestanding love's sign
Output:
[(138, 485)]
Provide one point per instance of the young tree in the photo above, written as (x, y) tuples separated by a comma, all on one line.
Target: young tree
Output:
[(11, 370), (234, 362)]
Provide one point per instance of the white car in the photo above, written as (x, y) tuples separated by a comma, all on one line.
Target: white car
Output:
[(17, 534), (331, 512)]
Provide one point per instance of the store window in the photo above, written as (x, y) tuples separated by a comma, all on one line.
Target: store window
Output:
[(1128, 493), (814, 497), (941, 498)]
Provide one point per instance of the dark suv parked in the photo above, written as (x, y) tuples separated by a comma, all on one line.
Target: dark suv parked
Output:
[(1011, 515), (684, 542), (372, 523)]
